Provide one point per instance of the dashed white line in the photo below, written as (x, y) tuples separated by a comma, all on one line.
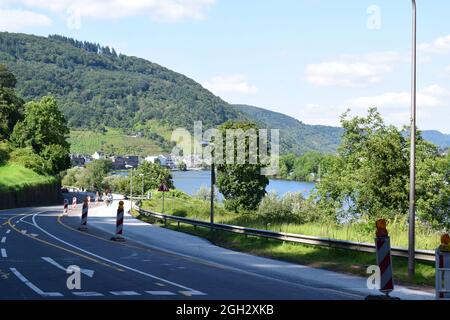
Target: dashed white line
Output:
[(8, 231), (192, 293), (33, 287), (88, 294), (161, 293), (87, 272), (125, 293), (111, 261), (3, 252), (3, 240)]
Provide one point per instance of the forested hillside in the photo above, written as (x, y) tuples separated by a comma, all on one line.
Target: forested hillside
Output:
[(295, 136)]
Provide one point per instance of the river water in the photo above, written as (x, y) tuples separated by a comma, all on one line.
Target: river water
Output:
[(191, 181)]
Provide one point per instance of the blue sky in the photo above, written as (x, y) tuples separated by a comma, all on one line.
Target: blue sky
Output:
[(310, 59)]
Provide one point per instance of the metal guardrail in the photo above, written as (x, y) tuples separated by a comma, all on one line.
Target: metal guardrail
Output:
[(422, 255)]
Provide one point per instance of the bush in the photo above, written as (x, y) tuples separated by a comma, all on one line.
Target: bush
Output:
[(5, 150), (27, 158), (292, 208)]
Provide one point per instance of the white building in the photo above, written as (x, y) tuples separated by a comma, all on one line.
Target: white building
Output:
[(98, 155)]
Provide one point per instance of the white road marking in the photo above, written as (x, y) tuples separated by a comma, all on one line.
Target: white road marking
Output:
[(160, 284), (33, 287), (8, 231), (88, 294), (125, 293), (192, 293), (3, 240), (160, 293), (112, 262), (86, 272), (3, 252)]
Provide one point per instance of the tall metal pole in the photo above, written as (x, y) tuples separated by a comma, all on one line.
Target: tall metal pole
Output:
[(142, 186), (412, 174), (213, 178), (131, 187)]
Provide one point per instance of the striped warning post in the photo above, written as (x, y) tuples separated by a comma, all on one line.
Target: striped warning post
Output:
[(66, 206), (84, 215), (119, 223), (443, 269), (384, 261), (74, 202), (89, 200)]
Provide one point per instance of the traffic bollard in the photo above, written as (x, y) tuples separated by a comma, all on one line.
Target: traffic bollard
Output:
[(74, 202), (384, 260), (443, 269), (119, 223), (84, 215), (66, 206)]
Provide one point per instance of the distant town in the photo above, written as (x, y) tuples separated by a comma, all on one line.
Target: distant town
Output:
[(123, 162)]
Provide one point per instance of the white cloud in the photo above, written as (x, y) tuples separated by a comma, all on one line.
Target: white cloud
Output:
[(168, 10), (16, 20), (429, 96), (230, 84), (353, 71), (440, 45)]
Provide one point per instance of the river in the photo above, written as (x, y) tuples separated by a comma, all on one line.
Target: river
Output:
[(191, 181)]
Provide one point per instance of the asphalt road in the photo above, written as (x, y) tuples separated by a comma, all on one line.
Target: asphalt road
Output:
[(38, 245)]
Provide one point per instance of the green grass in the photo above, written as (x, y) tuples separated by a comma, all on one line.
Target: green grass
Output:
[(14, 177), (113, 141), (341, 260), (197, 209)]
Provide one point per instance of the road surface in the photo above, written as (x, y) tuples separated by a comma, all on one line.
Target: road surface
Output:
[(37, 245)]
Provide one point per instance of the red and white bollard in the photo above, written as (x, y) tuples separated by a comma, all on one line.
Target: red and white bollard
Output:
[(74, 203), (119, 223), (384, 260), (96, 199), (84, 215), (66, 206), (443, 269), (89, 200)]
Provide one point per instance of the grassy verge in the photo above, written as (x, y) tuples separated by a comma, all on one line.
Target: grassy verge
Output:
[(197, 209), (14, 177), (346, 261)]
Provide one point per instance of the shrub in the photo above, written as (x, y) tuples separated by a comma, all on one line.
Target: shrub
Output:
[(5, 150), (27, 158), (292, 208)]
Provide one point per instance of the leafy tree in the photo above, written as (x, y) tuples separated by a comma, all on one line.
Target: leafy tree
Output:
[(369, 178), (94, 174), (182, 166), (154, 176), (57, 158), (43, 125), (11, 106), (242, 185)]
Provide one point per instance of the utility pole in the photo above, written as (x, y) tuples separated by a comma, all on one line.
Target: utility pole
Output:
[(131, 187), (412, 174)]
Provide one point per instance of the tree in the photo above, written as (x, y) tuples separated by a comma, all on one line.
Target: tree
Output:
[(182, 166), (369, 177), (242, 185), (11, 106), (154, 176), (92, 177), (43, 125)]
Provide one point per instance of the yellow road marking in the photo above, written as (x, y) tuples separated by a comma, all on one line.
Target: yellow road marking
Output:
[(61, 248)]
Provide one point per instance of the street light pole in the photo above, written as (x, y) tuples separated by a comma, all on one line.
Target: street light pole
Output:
[(142, 175), (131, 187), (213, 181), (412, 174)]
